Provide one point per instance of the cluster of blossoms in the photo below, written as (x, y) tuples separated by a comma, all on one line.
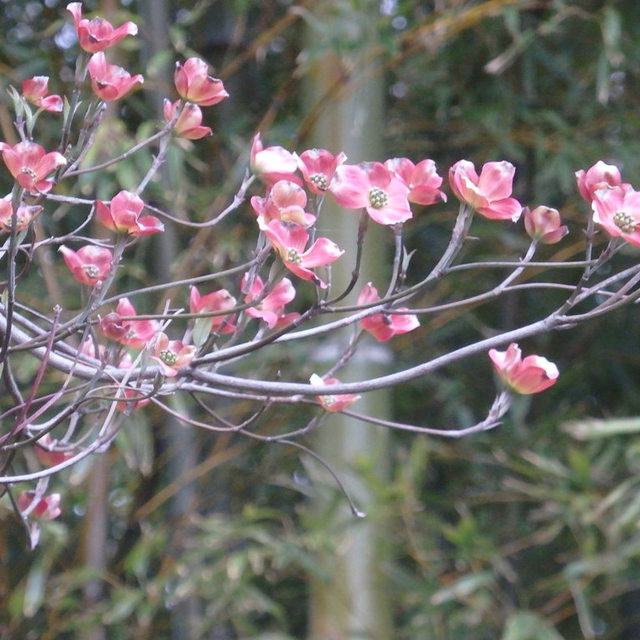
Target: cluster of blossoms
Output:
[(136, 354)]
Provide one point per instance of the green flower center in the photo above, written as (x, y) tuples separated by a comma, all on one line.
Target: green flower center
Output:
[(378, 198), (91, 270), (624, 221), (320, 180), (293, 256), (329, 401), (29, 171), (168, 357)]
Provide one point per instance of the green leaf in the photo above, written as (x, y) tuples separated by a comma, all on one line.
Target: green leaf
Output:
[(594, 428), (526, 625)]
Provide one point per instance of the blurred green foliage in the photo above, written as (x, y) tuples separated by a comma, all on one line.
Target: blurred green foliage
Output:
[(528, 532)]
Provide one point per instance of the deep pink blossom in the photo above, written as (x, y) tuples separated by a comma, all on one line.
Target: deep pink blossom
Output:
[(384, 326), (98, 34), (285, 201), (193, 83), (330, 402), (30, 165), (219, 301), (270, 308), (109, 81), (544, 224), (373, 187), (90, 264), (489, 194), (129, 332), (531, 375), (318, 166), (46, 507), (47, 452), (36, 91), (617, 209), (290, 242), (24, 215), (123, 215), (189, 122), (599, 176), (131, 398), (172, 354), (422, 180), (271, 164)]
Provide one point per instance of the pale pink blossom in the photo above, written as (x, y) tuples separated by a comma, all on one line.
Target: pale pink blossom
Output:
[(218, 301), (529, 375), (123, 215), (544, 224), (46, 507), (189, 122), (31, 165), (600, 176), (617, 210), (109, 81), (121, 326), (270, 307), (285, 201), (193, 83), (36, 91), (88, 348), (318, 166), (24, 215), (422, 180), (90, 264), (98, 34), (330, 402), (489, 193), (271, 164), (373, 187), (290, 242), (172, 355), (383, 326)]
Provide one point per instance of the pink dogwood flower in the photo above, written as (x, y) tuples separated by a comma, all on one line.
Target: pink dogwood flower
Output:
[(172, 354), (129, 332), (47, 452), (24, 215), (330, 402), (599, 176), (373, 187), (189, 122), (384, 326), (489, 194), (271, 306), (544, 224), (31, 165), (90, 264), (193, 83), (422, 180), (318, 166), (271, 164), (617, 209), (290, 243), (46, 507), (285, 201), (109, 81), (123, 215), (36, 91), (98, 34), (220, 300), (531, 375), (132, 398)]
